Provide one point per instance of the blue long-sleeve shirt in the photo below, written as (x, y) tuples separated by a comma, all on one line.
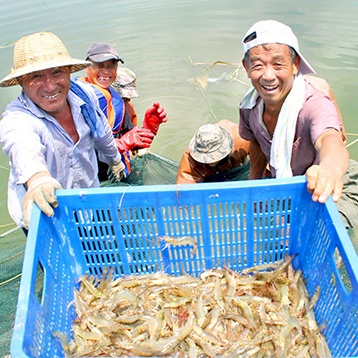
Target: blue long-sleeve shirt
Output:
[(34, 141)]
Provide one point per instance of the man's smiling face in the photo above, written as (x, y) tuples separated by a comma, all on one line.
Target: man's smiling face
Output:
[(271, 70), (102, 73), (48, 89)]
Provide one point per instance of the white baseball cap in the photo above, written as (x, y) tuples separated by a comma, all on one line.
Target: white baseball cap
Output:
[(271, 31)]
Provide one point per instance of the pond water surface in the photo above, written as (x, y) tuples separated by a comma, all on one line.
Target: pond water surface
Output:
[(187, 54)]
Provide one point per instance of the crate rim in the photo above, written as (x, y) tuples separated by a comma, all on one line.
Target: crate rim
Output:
[(274, 182)]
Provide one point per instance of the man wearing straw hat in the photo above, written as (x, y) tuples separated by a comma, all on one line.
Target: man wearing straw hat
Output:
[(52, 130), (291, 125)]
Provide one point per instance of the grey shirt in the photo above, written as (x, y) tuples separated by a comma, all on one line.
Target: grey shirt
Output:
[(317, 115)]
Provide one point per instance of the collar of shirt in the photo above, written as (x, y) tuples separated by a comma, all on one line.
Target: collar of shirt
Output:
[(74, 101)]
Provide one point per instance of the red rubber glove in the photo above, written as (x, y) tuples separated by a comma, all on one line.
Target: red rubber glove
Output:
[(136, 138), (154, 117)]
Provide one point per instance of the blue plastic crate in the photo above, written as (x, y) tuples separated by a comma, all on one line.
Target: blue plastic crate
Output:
[(238, 224)]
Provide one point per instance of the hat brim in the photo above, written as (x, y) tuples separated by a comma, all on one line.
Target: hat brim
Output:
[(129, 93), (304, 68), (126, 91), (74, 65), (213, 157), (102, 57)]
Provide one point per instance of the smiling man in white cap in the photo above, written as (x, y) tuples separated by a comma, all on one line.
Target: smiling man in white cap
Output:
[(291, 125), (52, 130)]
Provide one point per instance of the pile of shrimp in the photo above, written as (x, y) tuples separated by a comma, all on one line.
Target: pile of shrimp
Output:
[(264, 311)]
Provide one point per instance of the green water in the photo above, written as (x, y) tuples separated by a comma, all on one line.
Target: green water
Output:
[(170, 44)]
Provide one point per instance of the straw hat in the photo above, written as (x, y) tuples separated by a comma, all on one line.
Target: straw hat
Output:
[(40, 51), (211, 143), (125, 83)]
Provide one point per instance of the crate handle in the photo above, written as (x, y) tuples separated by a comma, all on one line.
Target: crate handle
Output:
[(341, 269), (39, 283)]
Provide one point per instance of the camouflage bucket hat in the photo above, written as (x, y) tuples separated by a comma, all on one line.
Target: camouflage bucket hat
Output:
[(211, 143), (125, 83)]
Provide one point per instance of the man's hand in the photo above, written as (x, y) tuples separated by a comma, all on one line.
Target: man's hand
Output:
[(323, 182), (41, 190), (154, 117), (326, 178), (136, 138), (116, 172)]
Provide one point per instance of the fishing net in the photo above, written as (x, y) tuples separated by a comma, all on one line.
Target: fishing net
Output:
[(149, 169), (153, 169), (11, 259)]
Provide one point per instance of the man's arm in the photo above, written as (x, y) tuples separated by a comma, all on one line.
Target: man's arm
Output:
[(322, 85), (187, 174), (258, 161), (325, 178)]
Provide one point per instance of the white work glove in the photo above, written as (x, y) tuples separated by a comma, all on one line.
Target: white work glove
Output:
[(116, 172), (42, 192)]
